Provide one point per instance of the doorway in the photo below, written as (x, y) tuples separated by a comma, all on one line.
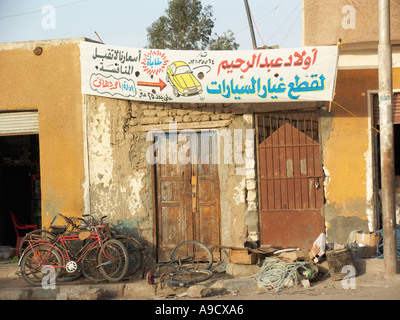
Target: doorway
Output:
[(290, 178), (187, 191), (377, 157), (19, 184)]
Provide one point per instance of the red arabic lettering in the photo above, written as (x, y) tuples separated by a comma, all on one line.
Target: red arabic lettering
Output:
[(101, 82), (297, 59)]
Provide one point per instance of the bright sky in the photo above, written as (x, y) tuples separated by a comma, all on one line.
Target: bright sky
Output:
[(124, 22)]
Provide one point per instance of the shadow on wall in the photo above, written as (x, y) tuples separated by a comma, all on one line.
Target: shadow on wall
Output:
[(128, 228), (132, 229)]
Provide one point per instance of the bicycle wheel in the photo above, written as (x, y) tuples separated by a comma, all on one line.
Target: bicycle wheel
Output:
[(89, 265), (185, 278), (192, 254), (113, 260), (35, 237), (35, 259), (135, 251)]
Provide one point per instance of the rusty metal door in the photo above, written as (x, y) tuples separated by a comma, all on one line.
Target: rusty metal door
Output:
[(188, 196), (290, 179)]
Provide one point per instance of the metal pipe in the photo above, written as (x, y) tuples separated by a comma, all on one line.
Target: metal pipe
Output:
[(387, 140), (253, 38)]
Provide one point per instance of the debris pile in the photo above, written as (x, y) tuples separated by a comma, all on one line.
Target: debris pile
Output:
[(276, 273)]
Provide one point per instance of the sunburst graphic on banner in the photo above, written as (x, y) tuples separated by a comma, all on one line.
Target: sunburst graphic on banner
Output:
[(154, 62)]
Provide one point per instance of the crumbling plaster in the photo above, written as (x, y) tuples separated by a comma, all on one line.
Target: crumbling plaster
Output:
[(120, 177)]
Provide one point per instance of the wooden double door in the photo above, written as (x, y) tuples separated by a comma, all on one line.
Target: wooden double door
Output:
[(187, 191)]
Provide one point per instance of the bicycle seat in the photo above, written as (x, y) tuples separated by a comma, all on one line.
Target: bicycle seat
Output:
[(58, 229)]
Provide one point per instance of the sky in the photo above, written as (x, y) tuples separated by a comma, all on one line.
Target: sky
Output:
[(124, 22)]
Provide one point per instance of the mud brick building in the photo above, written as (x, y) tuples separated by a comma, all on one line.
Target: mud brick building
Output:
[(81, 135)]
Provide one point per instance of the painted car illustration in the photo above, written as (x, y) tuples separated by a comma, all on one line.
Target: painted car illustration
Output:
[(183, 82)]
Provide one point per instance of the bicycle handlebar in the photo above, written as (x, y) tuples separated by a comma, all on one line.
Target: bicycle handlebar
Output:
[(93, 221), (70, 221)]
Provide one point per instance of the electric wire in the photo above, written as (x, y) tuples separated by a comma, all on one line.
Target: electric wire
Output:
[(350, 34), (290, 29), (254, 22), (262, 17), (286, 20), (40, 10)]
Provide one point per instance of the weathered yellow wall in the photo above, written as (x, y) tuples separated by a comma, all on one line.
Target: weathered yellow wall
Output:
[(347, 152), (50, 83), (325, 22)]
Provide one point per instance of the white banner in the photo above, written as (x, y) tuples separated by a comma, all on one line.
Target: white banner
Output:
[(274, 75)]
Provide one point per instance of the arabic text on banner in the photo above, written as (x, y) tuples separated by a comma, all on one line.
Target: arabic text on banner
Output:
[(259, 76)]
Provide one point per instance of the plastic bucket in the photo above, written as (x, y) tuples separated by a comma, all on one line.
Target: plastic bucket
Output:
[(337, 259), (358, 249)]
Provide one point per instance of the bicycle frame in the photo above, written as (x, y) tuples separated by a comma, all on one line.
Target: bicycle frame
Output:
[(59, 244)]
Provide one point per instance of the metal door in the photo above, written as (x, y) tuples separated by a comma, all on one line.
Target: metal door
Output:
[(290, 179), (188, 196)]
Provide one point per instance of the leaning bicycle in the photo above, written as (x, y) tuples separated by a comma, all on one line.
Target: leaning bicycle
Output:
[(99, 256)]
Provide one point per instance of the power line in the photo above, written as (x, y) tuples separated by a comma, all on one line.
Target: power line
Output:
[(40, 10), (287, 19), (295, 20), (268, 13), (257, 29)]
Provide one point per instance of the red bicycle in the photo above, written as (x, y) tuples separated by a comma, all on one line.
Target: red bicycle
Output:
[(98, 256)]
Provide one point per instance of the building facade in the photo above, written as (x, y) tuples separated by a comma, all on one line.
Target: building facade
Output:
[(285, 171), (93, 154), (351, 156), (42, 149)]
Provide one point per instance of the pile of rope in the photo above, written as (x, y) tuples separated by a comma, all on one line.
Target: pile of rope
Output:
[(276, 274)]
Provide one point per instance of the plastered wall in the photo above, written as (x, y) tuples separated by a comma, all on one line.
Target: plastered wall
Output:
[(327, 23), (121, 178), (50, 84), (347, 135)]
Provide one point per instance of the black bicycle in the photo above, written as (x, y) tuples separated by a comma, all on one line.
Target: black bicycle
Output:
[(190, 263)]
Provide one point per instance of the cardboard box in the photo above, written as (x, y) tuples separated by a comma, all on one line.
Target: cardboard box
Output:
[(242, 257), (314, 252), (318, 248), (294, 255), (371, 242)]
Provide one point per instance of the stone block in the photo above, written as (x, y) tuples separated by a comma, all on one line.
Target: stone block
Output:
[(145, 121), (251, 184), (252, 206), (197, 291), (251, 195), (181, 112), (187, 118), (241, 270), (149, 113), (225, 116), (250, 174), (250, 163)]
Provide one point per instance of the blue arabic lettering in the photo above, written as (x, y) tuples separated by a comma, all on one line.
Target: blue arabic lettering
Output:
[(228, 89), (305, 86)]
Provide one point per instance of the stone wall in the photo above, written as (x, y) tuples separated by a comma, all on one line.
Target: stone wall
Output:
[(121, 180)]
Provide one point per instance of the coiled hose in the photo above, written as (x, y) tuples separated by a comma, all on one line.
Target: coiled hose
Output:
[(276, 274)]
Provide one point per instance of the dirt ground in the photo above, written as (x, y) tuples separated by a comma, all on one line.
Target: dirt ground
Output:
[(318, 300), (366, 288)]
